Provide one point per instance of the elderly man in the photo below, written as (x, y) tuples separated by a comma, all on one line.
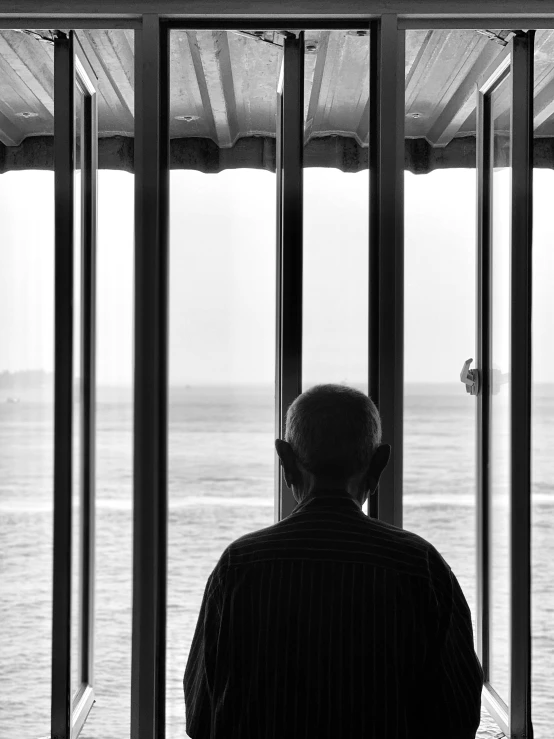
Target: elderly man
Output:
[(331, 624)]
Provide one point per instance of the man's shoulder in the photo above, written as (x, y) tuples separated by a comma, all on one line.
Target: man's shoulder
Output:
[(385, 544)]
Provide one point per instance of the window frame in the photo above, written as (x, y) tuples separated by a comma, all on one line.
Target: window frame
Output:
[(150, 378), (289, 249), (517, 63), (150, 498), (71, 69)]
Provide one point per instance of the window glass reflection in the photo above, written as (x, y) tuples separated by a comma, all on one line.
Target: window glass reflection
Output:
[(221, 398), (336, 212), (221, 319), (542, 471), (439, 328), (26, 448), (111, 55), (500, 106), (110, 715), (78, 446)]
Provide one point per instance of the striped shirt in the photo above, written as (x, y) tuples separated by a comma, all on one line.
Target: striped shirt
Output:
[(332, 625)]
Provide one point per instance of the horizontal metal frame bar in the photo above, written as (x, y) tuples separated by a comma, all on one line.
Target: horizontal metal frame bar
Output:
[(82, 709), (284, 8), (268, 24), (497, 76), (507, 23), (496, 707), (69, 22), (272, 23)]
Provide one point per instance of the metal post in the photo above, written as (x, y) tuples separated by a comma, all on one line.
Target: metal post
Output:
[(520, 447), (64, 124), (482, 416), (151, 377), (373, 233), (386, 321), (89, 170), (289, 246)]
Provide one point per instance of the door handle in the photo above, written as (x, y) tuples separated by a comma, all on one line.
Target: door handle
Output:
[(471, 378)]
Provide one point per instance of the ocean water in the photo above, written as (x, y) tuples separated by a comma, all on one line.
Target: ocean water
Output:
[(221, 486)]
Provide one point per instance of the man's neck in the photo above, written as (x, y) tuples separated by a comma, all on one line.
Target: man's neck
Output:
[(324, 487)]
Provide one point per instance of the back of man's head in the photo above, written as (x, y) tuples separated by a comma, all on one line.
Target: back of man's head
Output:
[(333, 431)]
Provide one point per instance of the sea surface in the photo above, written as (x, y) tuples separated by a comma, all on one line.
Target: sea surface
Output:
[(221, 466)]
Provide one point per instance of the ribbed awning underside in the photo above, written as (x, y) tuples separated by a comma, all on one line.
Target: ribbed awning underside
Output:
[(223, 98), (258, 152)]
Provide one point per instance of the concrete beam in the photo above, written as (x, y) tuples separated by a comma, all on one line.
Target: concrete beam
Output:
[(112, 58), (440, 86), (258, 152), (212, 63), (26, 85), (201, 81), (543, 104), (31, 62), (9, 134), (317, 80), (464, 100)]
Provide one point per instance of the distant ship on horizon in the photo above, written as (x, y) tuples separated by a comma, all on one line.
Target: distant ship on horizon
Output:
[(12, 400)]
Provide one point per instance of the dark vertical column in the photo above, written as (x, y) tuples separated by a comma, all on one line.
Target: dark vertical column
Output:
[(278, 477), (150, 377), (289, 269), (89, 166), (373, 245), (64, 142), (386, 321), (521, 284), (482, 359)]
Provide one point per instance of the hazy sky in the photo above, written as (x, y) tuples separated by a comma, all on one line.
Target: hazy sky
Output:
[(222, 263)]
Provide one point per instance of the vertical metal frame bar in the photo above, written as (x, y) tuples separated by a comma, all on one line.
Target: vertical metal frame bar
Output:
[(515, 719), (289, 246), (86, 79), (68, 712), (373, 277), (485, 153), (278, 477), (521, 293), (151, 378), (63, 383), (386, 341), (482, 418)]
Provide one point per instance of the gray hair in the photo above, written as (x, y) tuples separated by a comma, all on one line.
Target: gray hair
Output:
[(333, 430)]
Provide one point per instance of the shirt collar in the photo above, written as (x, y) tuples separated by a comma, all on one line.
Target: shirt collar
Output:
[(328, 499)]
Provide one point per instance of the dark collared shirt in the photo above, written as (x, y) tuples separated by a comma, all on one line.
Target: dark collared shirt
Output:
[(334, 625)]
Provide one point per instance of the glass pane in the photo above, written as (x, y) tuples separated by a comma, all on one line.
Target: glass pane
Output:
[(439, 476), (111, 54), (26, 449), (500, 106), (542, 431), (336, 209), (222, 324), (78, 448), (439, 335), (26, 385)]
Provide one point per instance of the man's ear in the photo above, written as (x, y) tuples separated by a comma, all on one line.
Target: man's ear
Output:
[(378, 463), (288, 460)]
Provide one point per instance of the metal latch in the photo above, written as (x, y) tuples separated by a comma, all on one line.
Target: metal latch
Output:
[(471, 378)]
